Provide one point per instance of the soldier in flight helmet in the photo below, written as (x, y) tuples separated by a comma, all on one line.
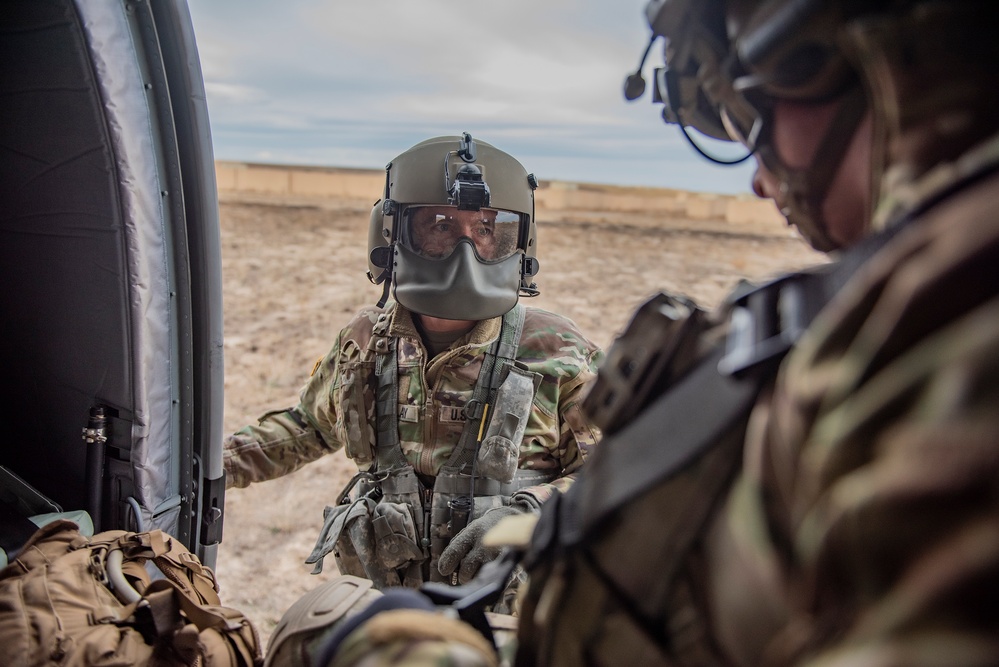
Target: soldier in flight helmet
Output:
[(823, 487), (457, 241), (458, 404)]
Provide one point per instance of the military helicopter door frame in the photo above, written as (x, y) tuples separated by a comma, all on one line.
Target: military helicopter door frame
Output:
[(109, 247)]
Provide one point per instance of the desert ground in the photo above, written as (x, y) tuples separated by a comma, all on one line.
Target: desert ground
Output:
[(294, 273)]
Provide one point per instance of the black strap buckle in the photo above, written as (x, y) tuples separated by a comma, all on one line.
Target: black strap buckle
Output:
[(765, 323), (470, 600), (373, 477)]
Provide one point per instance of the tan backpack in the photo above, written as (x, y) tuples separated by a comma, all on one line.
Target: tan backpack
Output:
[(67, 599)]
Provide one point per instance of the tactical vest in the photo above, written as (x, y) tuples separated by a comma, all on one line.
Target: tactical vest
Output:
[(393, 529)]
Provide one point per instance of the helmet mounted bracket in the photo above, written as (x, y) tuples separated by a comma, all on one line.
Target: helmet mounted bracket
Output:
[(469, 190)]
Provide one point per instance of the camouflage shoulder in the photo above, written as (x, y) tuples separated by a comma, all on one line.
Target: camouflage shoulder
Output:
[(540, 324), (349, 344), (415, 638), (366, 317), (359, 330)]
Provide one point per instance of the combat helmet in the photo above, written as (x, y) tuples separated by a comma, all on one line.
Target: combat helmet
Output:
[(441, 178), (727, 62)]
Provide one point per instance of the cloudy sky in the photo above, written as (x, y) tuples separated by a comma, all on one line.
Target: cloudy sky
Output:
[(355, 82)]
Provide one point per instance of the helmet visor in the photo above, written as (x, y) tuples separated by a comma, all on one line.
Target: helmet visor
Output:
[(433, 232)]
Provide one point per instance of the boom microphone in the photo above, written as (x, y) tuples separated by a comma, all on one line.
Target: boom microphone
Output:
[(634, 85)]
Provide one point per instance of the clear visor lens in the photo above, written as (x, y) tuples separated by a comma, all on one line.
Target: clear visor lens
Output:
[(434, 231)]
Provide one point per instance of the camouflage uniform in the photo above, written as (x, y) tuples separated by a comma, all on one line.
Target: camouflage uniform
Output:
[(867, 516), (337, 407), (337, 404), (860, 524), (862, 527)]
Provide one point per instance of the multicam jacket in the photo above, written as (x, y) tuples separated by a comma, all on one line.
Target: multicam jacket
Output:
[(866, 520), (337, 410), (862, 526)]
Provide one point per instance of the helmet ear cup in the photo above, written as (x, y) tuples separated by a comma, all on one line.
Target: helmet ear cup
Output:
[(380, 232), (381, 257)]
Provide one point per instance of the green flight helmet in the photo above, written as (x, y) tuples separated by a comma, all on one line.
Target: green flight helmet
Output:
[(454, 234)]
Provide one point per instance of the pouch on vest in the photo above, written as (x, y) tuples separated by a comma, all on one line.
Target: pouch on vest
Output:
[(355, 404), (499, 453), (369, 539), (335, 519), (395, 535)]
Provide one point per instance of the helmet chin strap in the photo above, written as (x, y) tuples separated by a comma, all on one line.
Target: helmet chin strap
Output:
[(805, 189), (386, 289)]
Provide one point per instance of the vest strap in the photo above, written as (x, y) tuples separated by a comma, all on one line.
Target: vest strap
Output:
[(502, 352), (462, 484)]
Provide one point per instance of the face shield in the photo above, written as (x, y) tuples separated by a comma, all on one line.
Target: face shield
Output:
[(458, 264), (433, 232)]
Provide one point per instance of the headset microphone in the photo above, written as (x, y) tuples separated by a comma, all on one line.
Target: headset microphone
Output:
[(634, 85)]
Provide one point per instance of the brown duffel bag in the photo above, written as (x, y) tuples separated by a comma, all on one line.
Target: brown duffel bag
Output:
[(67, 599)]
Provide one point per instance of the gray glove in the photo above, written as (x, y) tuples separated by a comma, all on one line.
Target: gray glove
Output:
[(465, 553)]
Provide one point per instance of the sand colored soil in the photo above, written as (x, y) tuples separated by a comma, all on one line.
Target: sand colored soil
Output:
[(294, 273)]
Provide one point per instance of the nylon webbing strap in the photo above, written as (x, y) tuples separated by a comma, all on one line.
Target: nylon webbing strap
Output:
[(706, 404), (388, 453), (662, 440), (402, 482), (503, 351), (522, 479)]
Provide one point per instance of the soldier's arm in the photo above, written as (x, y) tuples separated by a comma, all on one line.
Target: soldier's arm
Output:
[(577, 436), (281, 442), (885, 518), (284, 440)]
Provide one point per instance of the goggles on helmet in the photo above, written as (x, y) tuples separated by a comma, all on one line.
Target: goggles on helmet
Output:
[(433, 232)]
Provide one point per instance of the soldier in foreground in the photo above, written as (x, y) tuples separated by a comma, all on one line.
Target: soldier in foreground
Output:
[(458, 405), (822, 486)]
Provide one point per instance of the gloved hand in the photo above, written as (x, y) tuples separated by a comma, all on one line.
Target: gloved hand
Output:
[(465, 553)]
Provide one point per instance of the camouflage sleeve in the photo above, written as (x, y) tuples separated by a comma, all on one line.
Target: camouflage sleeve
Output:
[(869, 495), (577, 436), (279, 443), (901, 552), (284, 440), (415, 638)]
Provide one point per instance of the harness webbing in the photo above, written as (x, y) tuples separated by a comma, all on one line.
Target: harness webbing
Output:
[(502, 352), (674, 430), (388, 453)]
